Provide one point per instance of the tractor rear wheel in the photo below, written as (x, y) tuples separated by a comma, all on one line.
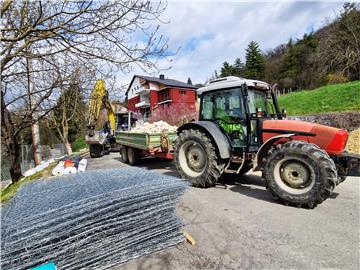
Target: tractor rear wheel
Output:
[(123, 153), (299, 173), (196, 159), (95, 150)]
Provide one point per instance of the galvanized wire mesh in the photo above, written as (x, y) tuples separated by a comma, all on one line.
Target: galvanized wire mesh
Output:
[(92, 220)]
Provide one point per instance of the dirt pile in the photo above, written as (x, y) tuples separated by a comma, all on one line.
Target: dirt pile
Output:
[(155, 127), (353, 144)]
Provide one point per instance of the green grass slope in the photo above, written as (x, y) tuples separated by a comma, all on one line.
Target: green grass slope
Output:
[(330, 98)]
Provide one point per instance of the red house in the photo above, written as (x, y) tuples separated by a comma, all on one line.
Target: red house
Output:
[(145, 94)]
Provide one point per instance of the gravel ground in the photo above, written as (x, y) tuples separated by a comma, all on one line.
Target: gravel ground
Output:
[(239, 226), (353, 144)]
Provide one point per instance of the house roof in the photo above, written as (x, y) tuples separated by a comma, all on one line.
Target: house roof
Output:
[(167, 82)]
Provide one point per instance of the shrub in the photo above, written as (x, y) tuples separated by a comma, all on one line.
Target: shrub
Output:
[(335, 78), (176, 114), (79, 144)]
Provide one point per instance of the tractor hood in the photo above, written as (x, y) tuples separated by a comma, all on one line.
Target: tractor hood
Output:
[(332, 140)]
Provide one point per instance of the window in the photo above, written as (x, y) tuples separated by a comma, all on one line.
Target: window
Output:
[(228, 105), (182, 93), (164, 95), (208, 107), (258, 99), (226, 108)]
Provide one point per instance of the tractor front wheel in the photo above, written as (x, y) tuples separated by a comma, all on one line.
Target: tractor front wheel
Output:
[(196, 159), (299, 173)]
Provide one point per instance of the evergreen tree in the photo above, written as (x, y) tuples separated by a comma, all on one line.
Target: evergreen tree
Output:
[(298, 62), (67, 119), (239, 68), (255, 62), (189, 81), (226, 70)]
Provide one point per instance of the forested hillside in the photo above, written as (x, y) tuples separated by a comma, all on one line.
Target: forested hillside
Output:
[(327, 56)]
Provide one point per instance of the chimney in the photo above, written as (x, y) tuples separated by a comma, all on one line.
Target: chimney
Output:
[(162, 77)]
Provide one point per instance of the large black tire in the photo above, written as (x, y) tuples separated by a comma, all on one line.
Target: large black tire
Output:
[(195, 159), (133, 156), (299, 173), (123, 153), (95, 150)]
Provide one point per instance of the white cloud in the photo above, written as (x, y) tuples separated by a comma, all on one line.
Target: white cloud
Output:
[(212, 32)]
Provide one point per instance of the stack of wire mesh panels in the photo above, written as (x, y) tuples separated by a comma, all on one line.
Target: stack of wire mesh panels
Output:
[(92, 220)]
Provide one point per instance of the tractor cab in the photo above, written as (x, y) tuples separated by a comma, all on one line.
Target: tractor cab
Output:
[(238, 105)]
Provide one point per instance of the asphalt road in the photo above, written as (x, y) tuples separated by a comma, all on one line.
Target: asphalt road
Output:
[(239, 226)]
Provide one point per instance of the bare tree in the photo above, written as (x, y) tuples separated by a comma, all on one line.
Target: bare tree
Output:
[(70, 108), (339, 50), (39, 37)]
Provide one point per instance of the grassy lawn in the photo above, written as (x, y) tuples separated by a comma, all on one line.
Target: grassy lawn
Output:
[(8, 192), (330, 98)]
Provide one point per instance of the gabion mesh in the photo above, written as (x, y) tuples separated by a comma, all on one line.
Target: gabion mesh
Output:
[(92, 220)]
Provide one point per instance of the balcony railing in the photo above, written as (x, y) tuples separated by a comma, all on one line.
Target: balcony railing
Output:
[(142, 104), (164, 101)]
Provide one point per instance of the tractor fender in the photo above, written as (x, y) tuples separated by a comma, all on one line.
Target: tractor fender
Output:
[(258, 163), (213, 131)]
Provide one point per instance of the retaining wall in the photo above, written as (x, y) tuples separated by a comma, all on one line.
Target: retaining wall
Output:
[(346, 120)]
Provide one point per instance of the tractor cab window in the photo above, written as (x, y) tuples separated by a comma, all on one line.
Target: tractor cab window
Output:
[(207, 107), (226, 108), (260, 100)]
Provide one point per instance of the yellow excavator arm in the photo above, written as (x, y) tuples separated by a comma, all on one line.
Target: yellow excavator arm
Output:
[(99, 100)]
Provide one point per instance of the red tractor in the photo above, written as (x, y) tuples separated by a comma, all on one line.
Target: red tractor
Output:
[(241, 127)]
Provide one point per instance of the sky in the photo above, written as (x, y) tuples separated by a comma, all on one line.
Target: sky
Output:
[(211, 32)]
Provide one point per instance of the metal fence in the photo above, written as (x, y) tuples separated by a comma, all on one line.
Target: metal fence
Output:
[(27, 157), (107, 216)]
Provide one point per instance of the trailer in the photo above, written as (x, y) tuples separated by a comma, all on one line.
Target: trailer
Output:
[(134, 146)]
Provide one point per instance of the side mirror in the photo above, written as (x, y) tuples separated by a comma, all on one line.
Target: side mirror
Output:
[(283, 113)]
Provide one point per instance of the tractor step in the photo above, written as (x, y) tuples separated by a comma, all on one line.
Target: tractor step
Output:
[(233, 167), (231, 171)]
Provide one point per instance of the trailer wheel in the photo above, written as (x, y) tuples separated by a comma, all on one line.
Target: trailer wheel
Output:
[(196, 159), (123, 153), (133, 156), (299, 173), (95, 150)]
